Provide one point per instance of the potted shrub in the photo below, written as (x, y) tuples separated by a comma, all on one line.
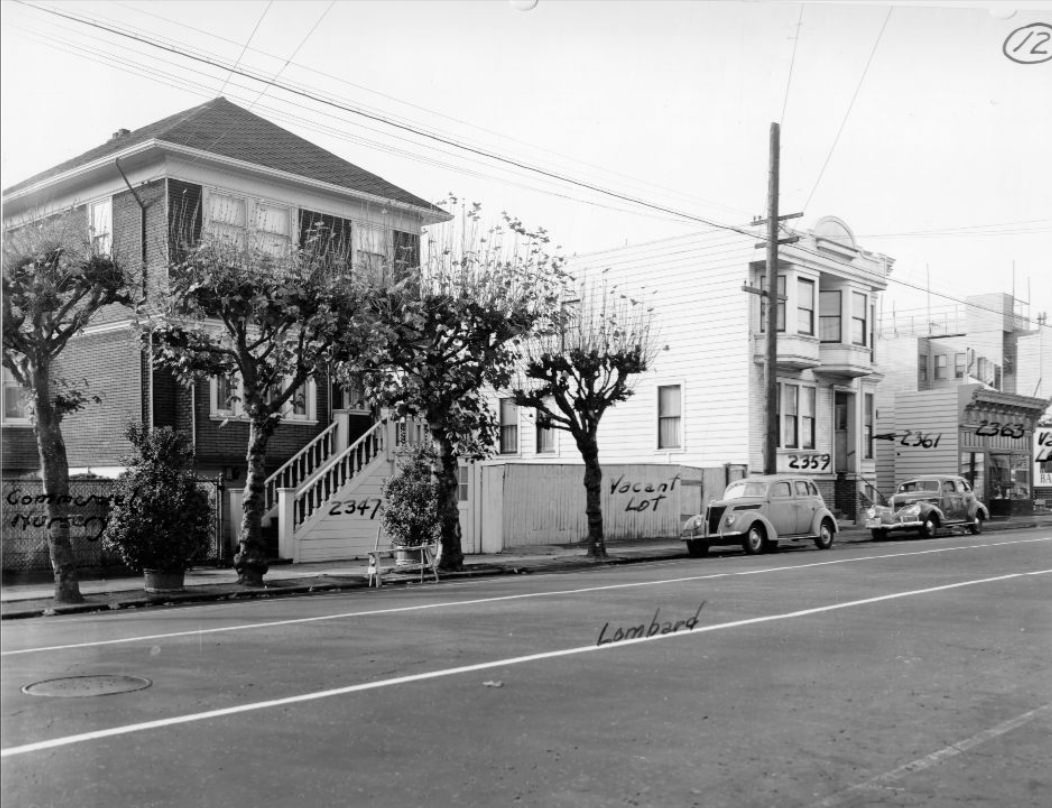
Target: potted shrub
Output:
[(161, 521), (410, 501)]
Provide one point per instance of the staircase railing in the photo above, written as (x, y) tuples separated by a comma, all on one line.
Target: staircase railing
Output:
[(342, 469), (301, 465), (871, 492)]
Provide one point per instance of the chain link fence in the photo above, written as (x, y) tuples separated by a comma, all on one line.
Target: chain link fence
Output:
[(24, 525)]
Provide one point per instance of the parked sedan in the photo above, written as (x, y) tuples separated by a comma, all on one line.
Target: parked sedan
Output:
[(926, 504), (758, 512)]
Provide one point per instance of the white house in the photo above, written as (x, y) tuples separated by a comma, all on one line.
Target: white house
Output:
[(698, 415)]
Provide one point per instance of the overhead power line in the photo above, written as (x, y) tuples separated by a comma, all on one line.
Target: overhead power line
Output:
[(847, 114), (521, 165), (220, 65)]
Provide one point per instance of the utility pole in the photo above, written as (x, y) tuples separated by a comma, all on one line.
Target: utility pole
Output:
[(770, 446), (772, 242)]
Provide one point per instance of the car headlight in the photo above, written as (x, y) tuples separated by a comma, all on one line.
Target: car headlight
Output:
[(871, 513), (730, 520)]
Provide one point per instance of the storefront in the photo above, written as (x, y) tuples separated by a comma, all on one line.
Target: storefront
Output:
[(996, 439)]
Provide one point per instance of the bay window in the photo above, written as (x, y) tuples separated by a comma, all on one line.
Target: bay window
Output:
[(859, 316), (805, 306), (829, 316)]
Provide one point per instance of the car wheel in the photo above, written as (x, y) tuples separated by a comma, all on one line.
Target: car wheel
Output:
[(770, 546), (697, 548), (930, 525), (976, 527), (754, 540), (825, 535), (878, 534)]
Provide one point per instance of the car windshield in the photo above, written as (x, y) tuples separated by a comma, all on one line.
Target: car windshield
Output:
[(743, 488), (919, 485)]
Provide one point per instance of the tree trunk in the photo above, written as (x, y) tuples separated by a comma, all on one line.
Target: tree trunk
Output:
[(593, 485), (448, 510), (55, 467), (251, 559)]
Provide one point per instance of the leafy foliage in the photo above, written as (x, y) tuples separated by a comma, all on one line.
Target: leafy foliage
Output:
[(453, 329), (53, 284), (581, 364), (272, 321), (410, 497), (161, 519)]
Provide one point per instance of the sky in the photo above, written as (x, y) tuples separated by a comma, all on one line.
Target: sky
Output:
[(607, 122)]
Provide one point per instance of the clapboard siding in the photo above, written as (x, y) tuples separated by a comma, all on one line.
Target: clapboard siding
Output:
[(702, 315), (930, 412)]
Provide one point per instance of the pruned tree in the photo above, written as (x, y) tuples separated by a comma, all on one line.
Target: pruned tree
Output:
[(269, 323), (54, 283), (577, 367), (450, 330)]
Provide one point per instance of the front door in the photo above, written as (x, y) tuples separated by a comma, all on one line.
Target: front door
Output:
[(843, 432)]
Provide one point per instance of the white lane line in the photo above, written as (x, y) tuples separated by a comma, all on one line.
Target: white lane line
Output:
[(926, 762), (500, 598), (55, 743)]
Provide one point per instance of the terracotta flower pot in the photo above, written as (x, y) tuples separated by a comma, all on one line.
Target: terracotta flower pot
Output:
[(163, 582)]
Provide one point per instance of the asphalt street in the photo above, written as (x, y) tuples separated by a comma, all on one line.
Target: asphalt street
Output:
[(875, 674)]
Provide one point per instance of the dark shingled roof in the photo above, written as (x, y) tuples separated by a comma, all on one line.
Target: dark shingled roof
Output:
[(224, 128)]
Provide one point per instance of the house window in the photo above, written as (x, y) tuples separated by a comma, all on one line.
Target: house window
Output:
[(369, 253), (942, 369), (859, 327), (872, 333), (781, 303), (805, 306), (796, 413), (273, 231), (227, 397), (16, 401), (829, 316), (101, 226), (545, 434), (185, 216), (301, 405), (325, 238), (509, 426), (958, 366), (228, 219), (807, 418), (868, 416), (922, 369), (670, 416), (406, 251)]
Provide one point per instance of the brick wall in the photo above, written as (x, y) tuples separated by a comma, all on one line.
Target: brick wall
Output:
[(110, 363)]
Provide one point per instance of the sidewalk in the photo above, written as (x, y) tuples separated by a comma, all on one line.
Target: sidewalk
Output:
[(21, 600)]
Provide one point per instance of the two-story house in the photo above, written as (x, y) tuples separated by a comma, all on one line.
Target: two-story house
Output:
[(215, 169), (964, 391), (697, 418)]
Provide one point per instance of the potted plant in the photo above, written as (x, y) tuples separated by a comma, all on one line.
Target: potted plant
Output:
[(161, 521), (410, 501)]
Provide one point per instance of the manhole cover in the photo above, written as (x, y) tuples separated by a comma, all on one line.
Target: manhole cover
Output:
[(73, 686)]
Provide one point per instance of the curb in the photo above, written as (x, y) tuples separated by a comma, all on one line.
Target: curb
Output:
[(283, 587)]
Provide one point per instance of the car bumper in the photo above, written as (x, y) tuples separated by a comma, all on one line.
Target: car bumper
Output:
[(893, 524), (726, 537)]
